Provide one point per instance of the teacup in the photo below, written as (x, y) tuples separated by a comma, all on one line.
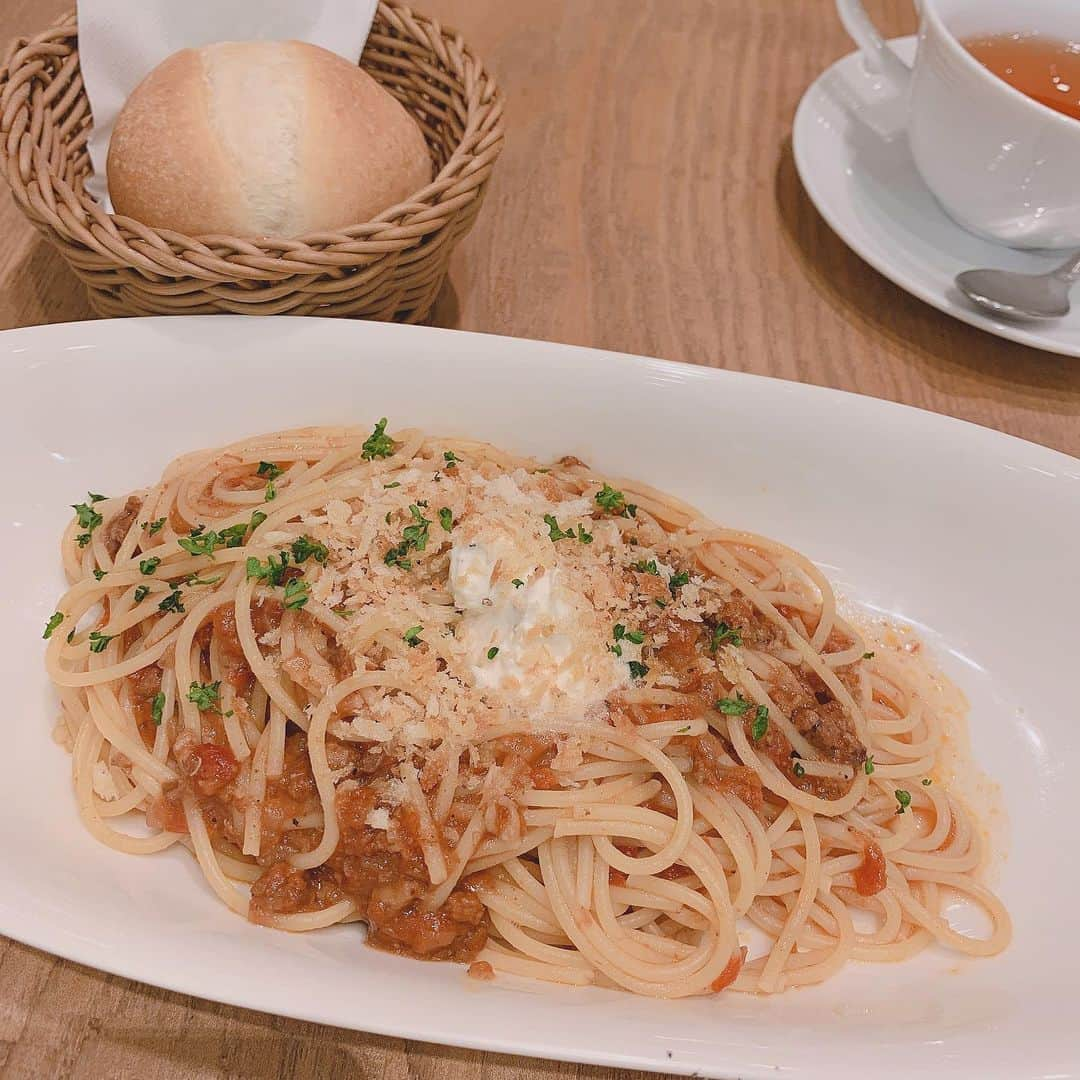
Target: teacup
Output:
[(1003, 165)]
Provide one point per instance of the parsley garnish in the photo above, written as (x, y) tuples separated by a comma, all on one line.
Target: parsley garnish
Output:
[(141, 593), (451, 459), (269, 470), (396, 483), (868, 764), (517, 583), (204, 696), (378, 443), (396, 556), (903, 798), (88, 518), (678, 580), (636, 636), (99, 641), (95, 498), (154, 526), (554, 532), (296, 593), (583, 536), (638, 670), (798, 770), (619, 631), (761, 723), (446, 518), (273, 573), (649, 567), (270, 493), (721, 633), (257, 518), (303, 548), (417, 535), (194, 579), (412, 636), (927, 782), (735, 706), (611, 500), (493, 652), (173, 602), (616, 649), (148, 566), (55, 619), (868, 656), (157, 709), (98, 574), (200, 542)]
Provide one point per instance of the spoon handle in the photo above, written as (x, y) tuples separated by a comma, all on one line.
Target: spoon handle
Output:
[(1068, 272)]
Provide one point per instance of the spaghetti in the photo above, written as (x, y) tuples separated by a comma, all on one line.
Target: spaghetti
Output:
[(504, 713)]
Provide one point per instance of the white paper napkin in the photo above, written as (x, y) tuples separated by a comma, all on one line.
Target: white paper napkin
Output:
[(121, 41)]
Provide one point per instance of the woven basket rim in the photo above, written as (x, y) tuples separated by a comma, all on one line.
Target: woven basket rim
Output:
[(407, 220)]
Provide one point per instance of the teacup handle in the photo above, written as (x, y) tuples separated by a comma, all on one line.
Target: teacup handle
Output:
[(865, 34)]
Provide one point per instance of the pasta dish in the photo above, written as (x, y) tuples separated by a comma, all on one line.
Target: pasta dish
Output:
[(551, 723)]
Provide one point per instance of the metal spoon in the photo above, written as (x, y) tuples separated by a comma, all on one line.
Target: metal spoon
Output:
[(1022, 296)]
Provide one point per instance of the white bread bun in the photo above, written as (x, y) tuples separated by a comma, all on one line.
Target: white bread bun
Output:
[(262, 138)]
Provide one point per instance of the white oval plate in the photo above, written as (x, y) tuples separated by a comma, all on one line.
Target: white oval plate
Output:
[(851, 150), (968, 533)]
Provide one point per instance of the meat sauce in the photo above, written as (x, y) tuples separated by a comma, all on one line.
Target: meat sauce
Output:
[(871, 874), (801, 695)]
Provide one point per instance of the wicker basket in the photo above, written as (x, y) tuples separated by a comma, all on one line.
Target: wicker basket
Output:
[(388, 268)]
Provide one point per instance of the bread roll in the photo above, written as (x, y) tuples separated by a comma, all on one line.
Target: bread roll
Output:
[(262, 138)]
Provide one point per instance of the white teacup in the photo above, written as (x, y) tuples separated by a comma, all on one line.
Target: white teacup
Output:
[(1001, 164)]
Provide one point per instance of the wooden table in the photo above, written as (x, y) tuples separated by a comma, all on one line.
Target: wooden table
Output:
[(647, 201)]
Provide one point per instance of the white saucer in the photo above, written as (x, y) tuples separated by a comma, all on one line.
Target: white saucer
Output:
[(852, 154)]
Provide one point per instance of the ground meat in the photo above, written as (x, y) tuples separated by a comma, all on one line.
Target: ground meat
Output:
[(818, 717), (266, 616), (120, 525), (209, 766), (708, 769), (145, 685), (236, 671)]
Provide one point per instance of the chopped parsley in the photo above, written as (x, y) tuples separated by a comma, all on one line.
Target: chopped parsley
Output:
[(88, 518), (798, 770), (761, 723), (619, 631), (396, 483), (378, 444), (868, 765), (451, 459), (636, 636), (269, 470), (412, 637), (554, 532), (304, 548), (927, 782), (616, 649), (257, 518), (611, 500), (194, 579), (649, 567), (200, 542), (173, 602), (868, 656), (297, 593), (141, 593), (273, 573), (678, 581), (903, 798), (723, 633), (493, 652), (583, 536), (55, 619), (148, 566), (413, 538), (154, 526), (446, 518), (205, 696), (157, 708), (98, 641), (95, 498), (271, 492), (638, 670), (517, 583), (735, 706), (98, 574)]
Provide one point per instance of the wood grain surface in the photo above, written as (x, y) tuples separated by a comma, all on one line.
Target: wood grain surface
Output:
[(647, 201)]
